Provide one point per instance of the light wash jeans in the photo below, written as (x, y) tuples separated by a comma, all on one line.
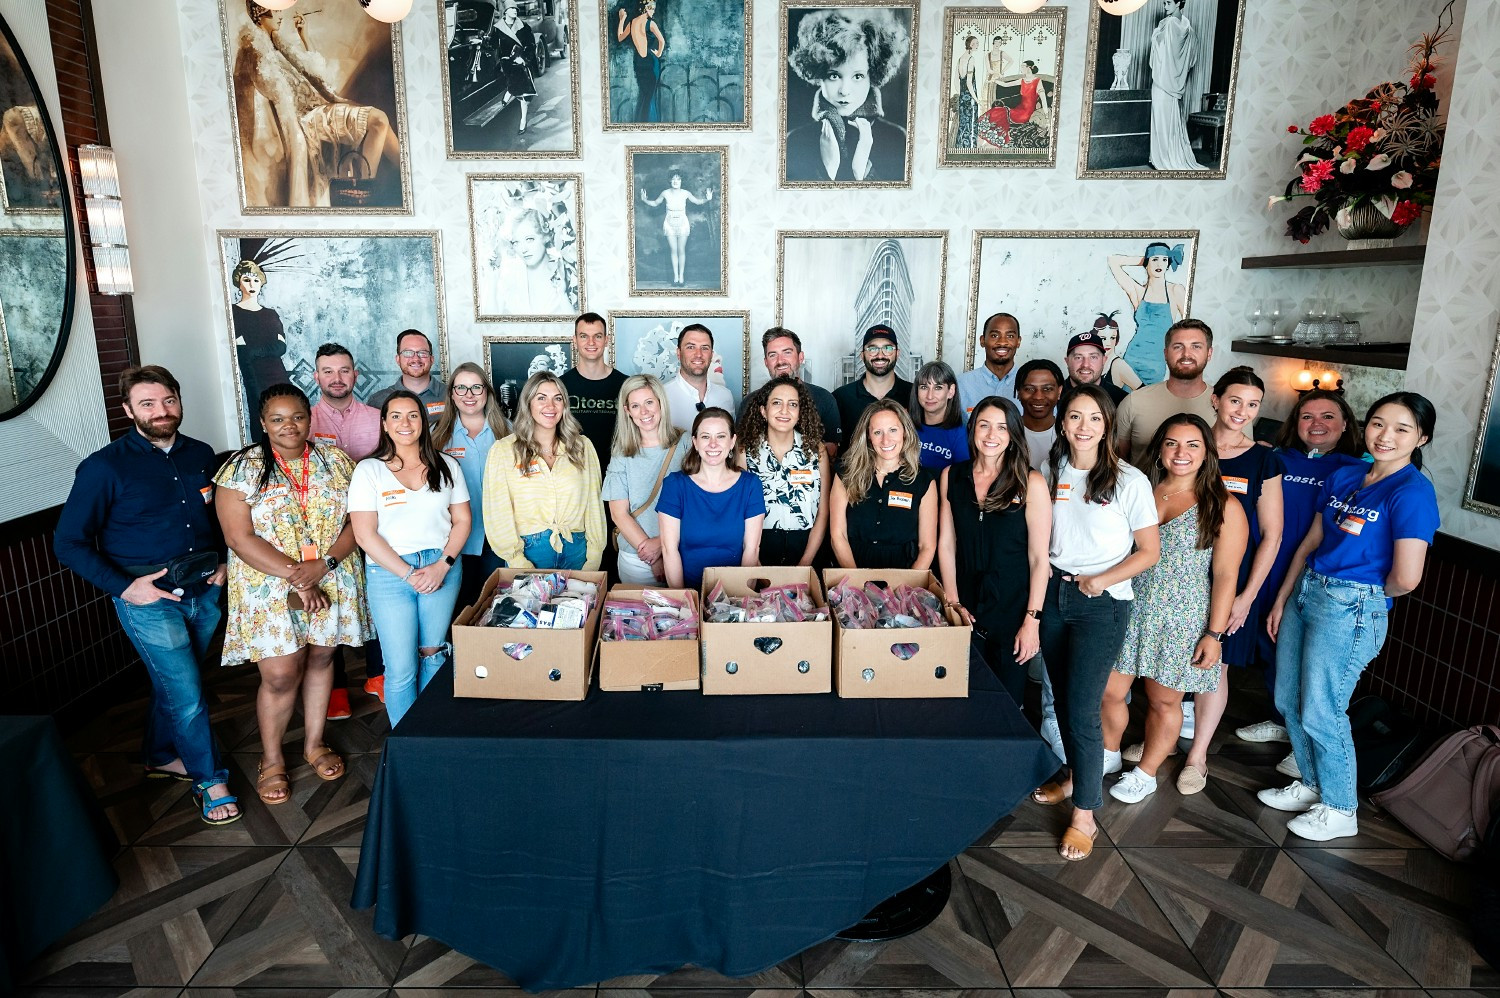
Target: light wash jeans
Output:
[(172, 639), (408, 620), (537, 549), (1330, 630)]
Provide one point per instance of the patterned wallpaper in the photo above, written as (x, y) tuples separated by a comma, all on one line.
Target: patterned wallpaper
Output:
[(1298, 56)]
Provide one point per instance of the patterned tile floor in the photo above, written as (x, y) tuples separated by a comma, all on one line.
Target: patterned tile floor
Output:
[(1185, 897)]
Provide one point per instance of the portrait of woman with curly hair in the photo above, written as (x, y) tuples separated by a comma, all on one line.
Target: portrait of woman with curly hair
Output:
[(848, 98)]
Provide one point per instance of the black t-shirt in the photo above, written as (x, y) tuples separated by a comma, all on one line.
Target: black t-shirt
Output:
[(883, 528), (854, 398), (595, 405)]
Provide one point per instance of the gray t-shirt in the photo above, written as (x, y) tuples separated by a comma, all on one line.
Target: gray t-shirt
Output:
[(1145, 409), (632, 479)]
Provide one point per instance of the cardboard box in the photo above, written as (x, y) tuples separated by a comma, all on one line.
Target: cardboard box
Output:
[(801, 663), (558, 668), (650, 665), (865, 665)]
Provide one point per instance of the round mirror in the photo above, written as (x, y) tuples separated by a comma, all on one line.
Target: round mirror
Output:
[(36, 237)]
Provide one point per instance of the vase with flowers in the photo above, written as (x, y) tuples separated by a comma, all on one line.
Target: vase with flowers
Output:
[(1371, 166)]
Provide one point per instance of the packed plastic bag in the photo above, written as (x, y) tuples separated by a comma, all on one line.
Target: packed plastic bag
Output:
[(654, 616), (542, 600), (873, 605), (788, 604)]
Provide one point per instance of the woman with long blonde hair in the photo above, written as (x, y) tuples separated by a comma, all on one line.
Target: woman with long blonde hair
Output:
[(647, 448), (884, 504), (541, 485), (470, 425)]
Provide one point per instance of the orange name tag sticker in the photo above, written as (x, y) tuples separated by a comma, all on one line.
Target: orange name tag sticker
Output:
[(800, 476), (534, 468), (1353, 525), (395, 497), (326, 438), (1064, 489), (899, 500), (208, 493), (310, 552), (455, 452), (436, 408), (1239, 486)]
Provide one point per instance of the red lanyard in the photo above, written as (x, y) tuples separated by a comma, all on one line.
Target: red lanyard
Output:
[(298, 487)]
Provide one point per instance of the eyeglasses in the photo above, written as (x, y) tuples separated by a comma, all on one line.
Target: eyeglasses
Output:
[(1343, 514), (409, 354), (468, 389), (886, 348)]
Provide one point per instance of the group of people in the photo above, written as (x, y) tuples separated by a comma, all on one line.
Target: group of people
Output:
[(1114, 537)]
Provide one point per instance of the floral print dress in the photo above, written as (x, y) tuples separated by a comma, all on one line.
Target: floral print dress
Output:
[(792, 487), (259, 625), (1171, 611)]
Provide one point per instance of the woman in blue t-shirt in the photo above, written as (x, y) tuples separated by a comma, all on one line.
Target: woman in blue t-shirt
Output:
[(699, 506), (939, 420), (1368, 544)]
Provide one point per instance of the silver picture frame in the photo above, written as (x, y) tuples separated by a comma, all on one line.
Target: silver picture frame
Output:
[(1482, 486), (498, 204), (689, 82), (677, 318), (648, 236)]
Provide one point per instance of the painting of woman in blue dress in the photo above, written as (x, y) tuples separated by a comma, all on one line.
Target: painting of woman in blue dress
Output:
[(645, 37), (1155, 303)]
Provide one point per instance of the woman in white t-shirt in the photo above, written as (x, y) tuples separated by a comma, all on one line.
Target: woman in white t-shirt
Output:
[(1103, 534), (410, 510)]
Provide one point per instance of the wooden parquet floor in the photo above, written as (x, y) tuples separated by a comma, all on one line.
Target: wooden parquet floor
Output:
[(1184, 897)]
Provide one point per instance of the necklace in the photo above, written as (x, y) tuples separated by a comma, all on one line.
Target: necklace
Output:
[(1179, 492)]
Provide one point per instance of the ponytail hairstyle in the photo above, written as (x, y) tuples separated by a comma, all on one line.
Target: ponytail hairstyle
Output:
[(691, 461), (438, 475), (1421, 409), (1349, 443), (1208, 488), (261, 449), (1009, 486), (1105, 474), (442, 434)]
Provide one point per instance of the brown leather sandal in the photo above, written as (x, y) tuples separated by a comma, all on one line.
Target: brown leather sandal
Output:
[(319, 763), (1050, 793), (1083, 844), (272, 779)]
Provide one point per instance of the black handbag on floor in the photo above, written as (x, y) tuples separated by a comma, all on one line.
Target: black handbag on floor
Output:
[(1386, 742)]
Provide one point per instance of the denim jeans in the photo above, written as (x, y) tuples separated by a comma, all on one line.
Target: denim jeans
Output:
[(537, 548), (1330, 631), (1081, 638), (408, 620), (172, 638)]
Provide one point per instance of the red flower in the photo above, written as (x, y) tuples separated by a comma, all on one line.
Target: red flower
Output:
[(1315, 173), (1406, 213), (1293, 129), (1423, 81), (1358, 138), (1321, 125)]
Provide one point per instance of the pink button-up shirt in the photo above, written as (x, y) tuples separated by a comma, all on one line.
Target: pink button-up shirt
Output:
[(355, 431)]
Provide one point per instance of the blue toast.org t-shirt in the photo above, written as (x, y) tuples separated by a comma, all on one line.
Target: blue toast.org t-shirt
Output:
[(1362, 547)]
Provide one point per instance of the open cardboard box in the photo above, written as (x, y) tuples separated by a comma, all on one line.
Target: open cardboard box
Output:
[(651, 665), (865, 664), (800, 662), (560, 662)]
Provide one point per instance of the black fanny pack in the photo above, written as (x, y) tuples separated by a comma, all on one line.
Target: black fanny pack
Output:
[(186, 574)]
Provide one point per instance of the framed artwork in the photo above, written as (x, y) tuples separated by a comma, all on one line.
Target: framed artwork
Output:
[(510, 360), (28, 167), (1130, 286), (1482, 493), (510, 84), (832, 286), (645, 342), (847, 124), (33, 264), (1158, 90), (682, 65), (319, 111), (678, 220), (288, 293), (527, 239), (1003, 72)]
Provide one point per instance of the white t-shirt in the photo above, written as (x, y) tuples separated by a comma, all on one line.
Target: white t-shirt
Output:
[(410, 521), (1092, 537), (682, 399), (1038, 446)]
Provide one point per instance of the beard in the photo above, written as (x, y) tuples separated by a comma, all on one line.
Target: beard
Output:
[(880, 367), (1185, 370), (159, 428), (334, 393)]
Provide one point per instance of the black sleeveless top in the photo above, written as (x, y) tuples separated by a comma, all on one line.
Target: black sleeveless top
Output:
[(994, 573), (883, 527)]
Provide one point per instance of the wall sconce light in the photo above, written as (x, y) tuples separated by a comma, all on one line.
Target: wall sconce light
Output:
[(389, 11), (106, 219), (1307, 380), (1021, 6)]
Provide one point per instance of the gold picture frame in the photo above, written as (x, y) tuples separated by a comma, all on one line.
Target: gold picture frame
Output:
[(677, 160), (679, 317), (1482, 486), (608, 46), (509, 214)]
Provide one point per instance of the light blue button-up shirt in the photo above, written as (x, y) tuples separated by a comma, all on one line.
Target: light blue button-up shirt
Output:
[(471, 453), (979, 384)]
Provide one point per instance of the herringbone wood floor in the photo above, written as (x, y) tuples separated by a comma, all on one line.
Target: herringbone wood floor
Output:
[(1183, 898)]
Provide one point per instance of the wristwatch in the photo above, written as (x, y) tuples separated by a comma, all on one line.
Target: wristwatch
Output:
[(1034, 614), (450, 559), (331, 562), (1216, 635)]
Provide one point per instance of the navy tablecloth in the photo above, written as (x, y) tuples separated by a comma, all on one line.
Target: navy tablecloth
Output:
[(568, 843)]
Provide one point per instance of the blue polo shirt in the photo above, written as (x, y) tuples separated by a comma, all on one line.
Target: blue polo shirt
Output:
[(1362, 547), (133, 503)]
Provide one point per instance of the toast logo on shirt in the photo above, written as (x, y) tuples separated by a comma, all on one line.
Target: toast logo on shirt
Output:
[(1064, 492), (393, 497), (1239, 486), (1303, 480), (1363, 513), (208, 494), (899, 500)]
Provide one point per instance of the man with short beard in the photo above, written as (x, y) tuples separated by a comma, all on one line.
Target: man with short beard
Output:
[(137, 504), (691, 392), (1190, 346), (784, 359), (1086, 358), (414, 357), (879, 351), (339, 418)]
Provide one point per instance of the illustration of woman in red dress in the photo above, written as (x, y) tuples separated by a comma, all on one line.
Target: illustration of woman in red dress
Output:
[(995, 124)]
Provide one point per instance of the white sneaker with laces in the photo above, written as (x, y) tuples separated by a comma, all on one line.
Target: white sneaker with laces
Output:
[(1134, 787), (1187, 720), (1111, 762), (1289, 767), (1295, 797), (1321, 823), (1262, 731)]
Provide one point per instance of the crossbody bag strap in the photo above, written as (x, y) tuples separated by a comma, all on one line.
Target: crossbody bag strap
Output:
[(661, 476)]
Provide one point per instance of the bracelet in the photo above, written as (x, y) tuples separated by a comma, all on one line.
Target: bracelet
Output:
[(409, 572)]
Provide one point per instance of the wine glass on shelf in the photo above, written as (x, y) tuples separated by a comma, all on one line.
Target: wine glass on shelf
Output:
[(1273, 316), (1255, 314)]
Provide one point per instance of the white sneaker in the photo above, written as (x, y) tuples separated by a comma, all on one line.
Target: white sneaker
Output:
[(1134, 787), (1295, 797), (1264, 731), (1052, 735), (1289, 767), (1187, 720), (1321, 823), (1111, 762)]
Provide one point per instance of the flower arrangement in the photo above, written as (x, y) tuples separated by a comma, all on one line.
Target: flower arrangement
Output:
[(1381, 151)]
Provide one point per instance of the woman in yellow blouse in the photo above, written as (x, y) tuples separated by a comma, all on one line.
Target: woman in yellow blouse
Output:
[(541, 486)]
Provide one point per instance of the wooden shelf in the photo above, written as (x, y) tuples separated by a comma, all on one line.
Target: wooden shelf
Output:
[(1392, 356), (1390, 256)]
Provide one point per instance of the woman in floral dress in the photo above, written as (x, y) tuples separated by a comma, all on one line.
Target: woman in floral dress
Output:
[(296, 590), (781, 442)]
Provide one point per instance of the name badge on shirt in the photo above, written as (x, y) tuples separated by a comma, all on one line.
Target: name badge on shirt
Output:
[(800, 476), (1064, 491), (1239, 486), (326, 438), (899, 500), (275, 492), (534, 468), (208, 494), (435, 409), (395, 497), (455, 452), (1352, 525)]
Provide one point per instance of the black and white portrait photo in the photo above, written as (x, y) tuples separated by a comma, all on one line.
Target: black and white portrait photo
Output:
[(1159, 90), (848, 78), (831, 287), (509, 83), (527, 235), (677, 220), (511, 360)]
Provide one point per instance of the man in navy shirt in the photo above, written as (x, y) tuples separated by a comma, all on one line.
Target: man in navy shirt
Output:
[(136, 504)]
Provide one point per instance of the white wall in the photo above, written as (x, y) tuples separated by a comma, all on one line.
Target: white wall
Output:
[(40, 448), (1299, 57)]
